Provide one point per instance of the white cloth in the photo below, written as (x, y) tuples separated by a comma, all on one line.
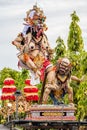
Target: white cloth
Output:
[(34, 80), (31, 14), (27, 26), (25, 29)]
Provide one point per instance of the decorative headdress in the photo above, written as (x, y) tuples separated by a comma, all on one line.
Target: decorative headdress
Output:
[(35, 17)]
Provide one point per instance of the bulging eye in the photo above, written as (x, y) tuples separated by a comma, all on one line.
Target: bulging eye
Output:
[(46, 47)]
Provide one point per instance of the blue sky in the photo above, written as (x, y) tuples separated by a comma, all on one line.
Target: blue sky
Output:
[(58, 20)]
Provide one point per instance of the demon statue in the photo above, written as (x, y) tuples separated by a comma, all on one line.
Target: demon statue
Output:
[(35, 54), (57, 82), (34, 49)]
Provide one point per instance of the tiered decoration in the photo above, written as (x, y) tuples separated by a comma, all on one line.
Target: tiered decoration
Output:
[(8, 89), (30, 91)]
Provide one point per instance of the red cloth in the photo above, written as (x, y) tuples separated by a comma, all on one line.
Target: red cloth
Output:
[(27, 81), (8, 97), (32, 98), (8, 82), (8, 90), (31, 90), (46, 63)]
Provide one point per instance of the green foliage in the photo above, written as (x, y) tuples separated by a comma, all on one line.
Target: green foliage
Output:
[(76, 63), (75, 18), (75, 41), (19, 77), (82, 101), (39, 86), (20, 80), (78, 58), (84, 62), (7, 72), (60, 49), (22, 115)]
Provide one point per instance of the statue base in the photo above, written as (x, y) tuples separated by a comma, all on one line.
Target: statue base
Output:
[(51, 113)]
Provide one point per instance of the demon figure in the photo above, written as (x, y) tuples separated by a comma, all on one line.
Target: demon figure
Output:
[(57, 82), (34, 49)]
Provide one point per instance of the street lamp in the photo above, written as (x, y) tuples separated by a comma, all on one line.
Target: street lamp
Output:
[(9, 106), (17, 94)]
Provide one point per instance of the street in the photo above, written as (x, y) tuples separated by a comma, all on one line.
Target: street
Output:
[(2, 127)]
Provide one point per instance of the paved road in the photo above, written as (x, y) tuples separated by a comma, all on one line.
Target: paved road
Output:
[(2, 127)]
